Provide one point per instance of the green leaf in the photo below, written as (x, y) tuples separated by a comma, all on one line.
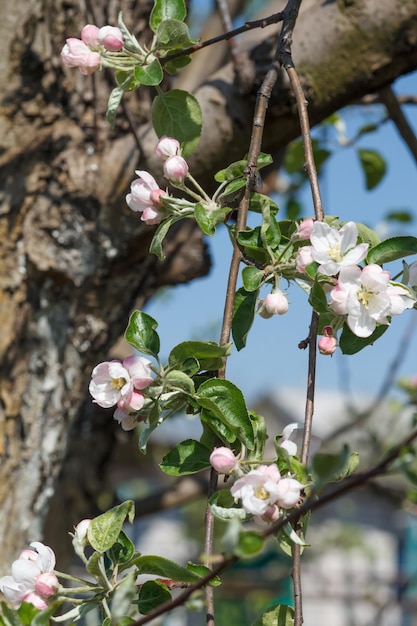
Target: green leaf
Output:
[(224, 508), (225, 401), (172, 67), (26, 613), (208, 218), (178, 379), (159, 566), (392, 249), (113, 104), (334, 467), (243, 315), (351, 344), (253, 247), (167, 10), (173, 35), (374, 167), (126, 80), (151, 74), (367, 235), (249, 544), (276, 615), (256, 201), (129, 40), (317, 298), (400, 216), (160, 234), (237, 169), (202, 570), (252, 278), (104, 530), (188, 457), (141, 334), (207, 353), (124, 596), (177, 114), (152, 594), (10, 616), (123, 550)]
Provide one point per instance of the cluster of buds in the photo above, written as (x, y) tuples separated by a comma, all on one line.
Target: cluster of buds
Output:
[(32, 579), (88, 52), (119, 383), (147, 198), (262, 490)]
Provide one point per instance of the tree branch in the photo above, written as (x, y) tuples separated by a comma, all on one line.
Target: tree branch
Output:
[(389, 99)]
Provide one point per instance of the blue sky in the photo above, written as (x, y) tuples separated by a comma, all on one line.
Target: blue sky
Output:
[(271, 358)]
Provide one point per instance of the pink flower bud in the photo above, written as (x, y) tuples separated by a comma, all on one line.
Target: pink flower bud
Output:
[(155, 197), (305, 229), (89, 35), (327, 344), (167, 147), (304, 258), (275, 303), (223, 460), (81, 530), (76, 53), (175, 169), (46, 585), (111, 38)]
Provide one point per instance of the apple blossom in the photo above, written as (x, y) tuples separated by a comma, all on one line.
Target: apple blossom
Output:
[(145, 197), (334, 249), (223, 460), (258, 489), (80, 538), (176, 169), (289, 491), (76, 53), (113, 381), (327, 344), (368, 297), (111, 38), (292, 439), (128, 420), (32, 579), (167, 147)]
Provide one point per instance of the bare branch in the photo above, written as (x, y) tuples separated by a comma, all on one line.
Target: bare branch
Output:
[(389, 99)]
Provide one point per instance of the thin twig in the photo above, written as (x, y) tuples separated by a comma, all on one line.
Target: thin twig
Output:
[(312, 504), (262, 23), (389, 99)]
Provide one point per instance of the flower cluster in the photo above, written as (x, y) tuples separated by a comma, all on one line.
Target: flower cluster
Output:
[(88, 52), (262, 491), (145, 194), (364, 296), (33, 579), (116, 383)]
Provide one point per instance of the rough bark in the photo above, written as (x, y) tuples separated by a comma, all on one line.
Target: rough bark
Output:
[(73, 258)]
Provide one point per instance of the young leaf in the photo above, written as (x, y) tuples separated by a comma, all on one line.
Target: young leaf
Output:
[(172, 35), (206, 352), (252, 278), (374, 167), (243, 315), (122, 551), (178, 114), (392, 249), (141, 334), (223, 506), (104, 530), (208, 219), (276, 615), (351, 344), (152, 594), (225, 401), (188, 457), (151, 74), (367, 235), (159, 566), (113, 104), (167, 10), (160, 234), (317, 298), (249, 544)]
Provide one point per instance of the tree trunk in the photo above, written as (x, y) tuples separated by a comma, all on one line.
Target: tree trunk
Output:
[(74, 258)]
